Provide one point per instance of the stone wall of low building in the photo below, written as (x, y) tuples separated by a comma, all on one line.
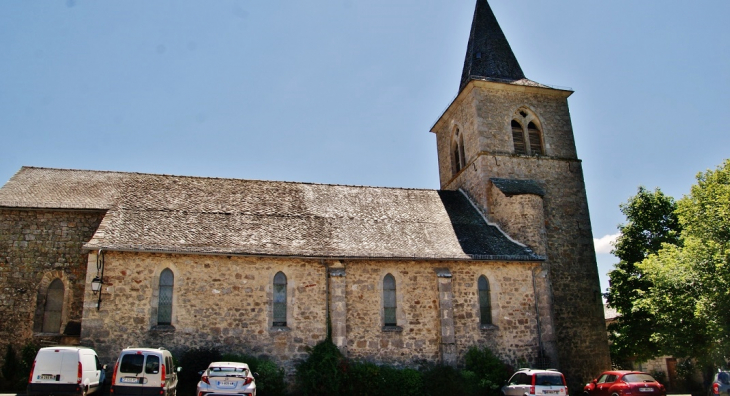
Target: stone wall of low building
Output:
[(37, 247), (226, 303), (218, 302)]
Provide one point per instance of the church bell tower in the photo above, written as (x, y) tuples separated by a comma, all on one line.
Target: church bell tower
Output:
[(507, 142)]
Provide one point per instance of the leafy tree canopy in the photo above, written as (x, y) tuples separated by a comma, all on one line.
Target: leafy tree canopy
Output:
[(651, 222), (689, 296)]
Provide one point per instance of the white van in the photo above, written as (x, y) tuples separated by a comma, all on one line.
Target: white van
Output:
[(65, 370), (144, 371)]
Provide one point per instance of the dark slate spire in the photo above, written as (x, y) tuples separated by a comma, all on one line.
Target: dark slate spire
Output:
[(488, 55)]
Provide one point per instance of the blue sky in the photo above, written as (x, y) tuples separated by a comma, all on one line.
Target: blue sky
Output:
[(345, 91)]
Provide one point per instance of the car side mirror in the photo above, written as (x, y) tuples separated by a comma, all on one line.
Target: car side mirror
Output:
[(255, 374), (179, 369), (594, 381), (104, 367)]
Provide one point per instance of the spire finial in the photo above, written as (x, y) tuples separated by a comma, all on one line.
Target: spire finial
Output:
[(488, 54)]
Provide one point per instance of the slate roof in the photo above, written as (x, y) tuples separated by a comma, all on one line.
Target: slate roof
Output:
[(147, 212), (518, 187), (488, 54)]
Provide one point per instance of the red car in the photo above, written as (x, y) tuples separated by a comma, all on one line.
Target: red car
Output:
[(624, 383)]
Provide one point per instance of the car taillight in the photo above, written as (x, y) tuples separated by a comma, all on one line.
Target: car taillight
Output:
[(114, 374), (30, 377), (247, 380), (162, 375), (205, 379), (532, 390), (716, 388), (80, 374)]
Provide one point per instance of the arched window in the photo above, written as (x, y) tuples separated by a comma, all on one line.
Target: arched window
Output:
[(164, 306), (279, 299), (518, 136), (535, 139), (458, 158), (389, 303), (528, 140), (53, 307), (485, 303)]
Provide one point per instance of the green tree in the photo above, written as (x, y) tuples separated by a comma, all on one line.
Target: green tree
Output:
[(651, 222), (689, 296)]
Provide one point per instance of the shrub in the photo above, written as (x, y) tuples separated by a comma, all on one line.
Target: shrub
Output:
[(490, 373), (443, 380), (16, 370), (322, 373)]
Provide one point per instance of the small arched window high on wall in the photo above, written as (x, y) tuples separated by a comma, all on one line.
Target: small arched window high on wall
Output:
[(164, 306), (389, 302), (533, 132), (53, 307), (458, 158), (485, 303), (279, 299), (518, 137)]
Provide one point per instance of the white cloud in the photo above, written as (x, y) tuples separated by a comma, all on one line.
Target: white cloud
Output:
[(604, 245)]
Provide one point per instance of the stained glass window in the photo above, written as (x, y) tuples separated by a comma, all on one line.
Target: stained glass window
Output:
[(279, 299), (389, 303), (164, 308), (485, 304)]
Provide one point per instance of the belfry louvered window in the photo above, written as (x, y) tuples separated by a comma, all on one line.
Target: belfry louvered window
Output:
[(164, 307), (485, 303), (53, 307), (279, 299), (518, 136), (535, 137), (389, 302)]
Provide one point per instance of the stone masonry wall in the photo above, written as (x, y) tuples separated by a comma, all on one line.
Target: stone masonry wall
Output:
[(226, 303), (218, 301), (37, 247), (576, 299)]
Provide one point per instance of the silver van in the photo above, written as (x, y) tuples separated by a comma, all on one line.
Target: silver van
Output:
[(144, 371), (65, 370)]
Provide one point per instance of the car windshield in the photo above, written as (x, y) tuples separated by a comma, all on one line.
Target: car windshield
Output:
[(227, 371), (638, 378), (548, 380)]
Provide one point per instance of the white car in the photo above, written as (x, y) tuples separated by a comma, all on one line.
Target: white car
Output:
[(227, 378), (532, 382), (65, 370)]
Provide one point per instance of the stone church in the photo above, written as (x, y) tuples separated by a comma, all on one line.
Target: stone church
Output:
[(501, 256)]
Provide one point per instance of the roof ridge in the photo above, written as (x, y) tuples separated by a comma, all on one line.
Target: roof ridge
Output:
[(223, 178)]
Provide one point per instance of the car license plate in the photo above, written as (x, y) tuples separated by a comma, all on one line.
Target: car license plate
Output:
[(646, 389), (129, 380), (550, 392), (226, 383), (47, 376)]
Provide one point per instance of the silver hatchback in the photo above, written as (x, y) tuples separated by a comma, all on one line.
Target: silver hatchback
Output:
[(227, 378), (529, 382)]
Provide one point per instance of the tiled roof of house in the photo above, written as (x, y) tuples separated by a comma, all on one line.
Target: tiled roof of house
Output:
[(231, 216)]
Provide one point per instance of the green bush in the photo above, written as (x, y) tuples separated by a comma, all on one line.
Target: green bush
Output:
[(322, 373), (15, 371), (490, 373), (444, 381)]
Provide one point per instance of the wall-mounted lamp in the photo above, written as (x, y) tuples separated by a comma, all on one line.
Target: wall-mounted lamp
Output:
[(99, 278)]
